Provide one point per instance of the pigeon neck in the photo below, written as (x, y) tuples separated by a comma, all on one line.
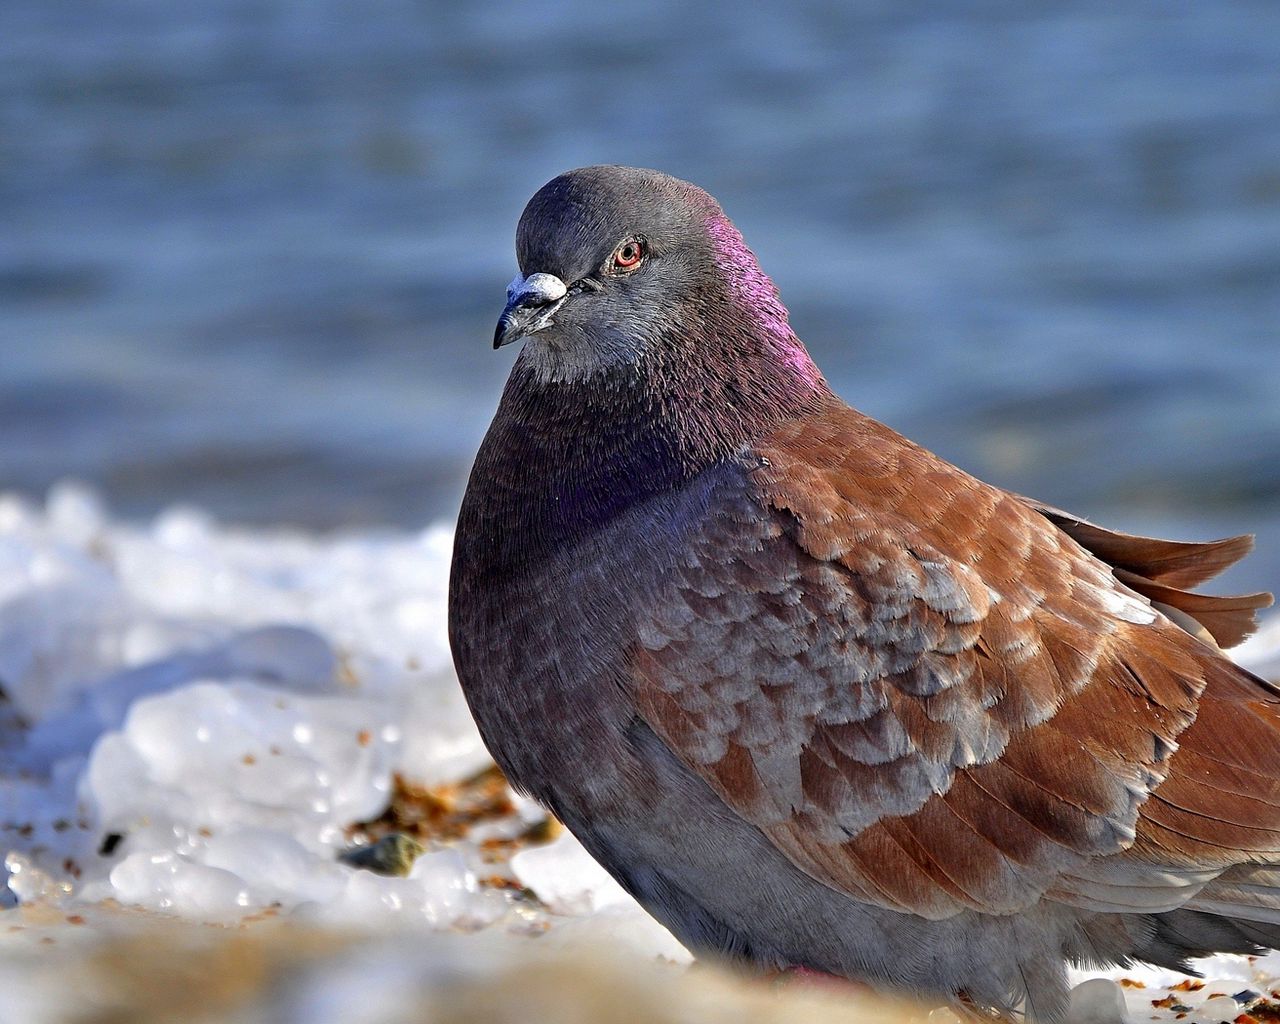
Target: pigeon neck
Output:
[(756, 297), (563, 459)]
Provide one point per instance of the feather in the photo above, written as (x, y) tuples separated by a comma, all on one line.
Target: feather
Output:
[(1163, 571)]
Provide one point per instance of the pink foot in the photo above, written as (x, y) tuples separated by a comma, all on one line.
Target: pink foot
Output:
[(821, 979)]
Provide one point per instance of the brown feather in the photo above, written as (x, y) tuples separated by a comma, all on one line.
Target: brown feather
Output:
[(1180, 564), (1164, 571), (1228, 620)]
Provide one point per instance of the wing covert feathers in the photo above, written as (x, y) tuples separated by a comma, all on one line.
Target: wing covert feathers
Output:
[(935, 696)]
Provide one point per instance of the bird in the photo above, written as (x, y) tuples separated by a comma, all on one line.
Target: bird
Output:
[(818, 699)]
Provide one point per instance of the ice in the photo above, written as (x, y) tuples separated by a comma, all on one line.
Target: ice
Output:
[(1097, 1001), (450, 884), (164, 880), (231, 751), (440, 892), (567, 878), (283, 870), (75, 513), (27, 883), (224, 704), (1217, 1010)]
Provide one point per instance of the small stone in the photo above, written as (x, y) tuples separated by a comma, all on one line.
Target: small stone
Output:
[(391, 855)]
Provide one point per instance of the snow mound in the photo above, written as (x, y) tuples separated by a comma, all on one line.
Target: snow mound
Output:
[(195, 716)]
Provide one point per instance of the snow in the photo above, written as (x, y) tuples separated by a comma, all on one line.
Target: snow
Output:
[(195, 717), (226, 702), (567, 878)]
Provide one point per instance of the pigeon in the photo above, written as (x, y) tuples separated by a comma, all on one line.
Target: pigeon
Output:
[(818, 699)]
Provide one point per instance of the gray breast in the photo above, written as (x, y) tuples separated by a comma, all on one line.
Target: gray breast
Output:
[(542, 649)]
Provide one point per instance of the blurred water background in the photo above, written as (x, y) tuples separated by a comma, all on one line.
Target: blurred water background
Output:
[(252, 252)]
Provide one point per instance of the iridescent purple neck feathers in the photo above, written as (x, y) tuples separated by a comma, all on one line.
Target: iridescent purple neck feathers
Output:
[(757, 296)]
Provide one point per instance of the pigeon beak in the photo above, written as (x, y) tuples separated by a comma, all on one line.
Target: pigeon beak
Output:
[(530, 303)]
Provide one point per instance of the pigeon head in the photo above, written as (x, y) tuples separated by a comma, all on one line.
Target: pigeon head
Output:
[(607, 255), (655, 347), (624, 267)]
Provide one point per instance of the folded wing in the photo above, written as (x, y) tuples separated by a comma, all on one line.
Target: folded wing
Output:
[(929, 694)]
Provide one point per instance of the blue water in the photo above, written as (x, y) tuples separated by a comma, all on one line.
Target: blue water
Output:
[(251, 253)]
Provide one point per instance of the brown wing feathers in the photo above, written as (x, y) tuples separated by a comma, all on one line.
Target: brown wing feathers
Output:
[(929, 694), (1171, 562), (1165, 570), (1223, 799)]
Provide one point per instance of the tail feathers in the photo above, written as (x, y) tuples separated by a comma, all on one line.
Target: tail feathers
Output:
[(1238, 912), (1184, 935), (1175, 563), (1246, 892)]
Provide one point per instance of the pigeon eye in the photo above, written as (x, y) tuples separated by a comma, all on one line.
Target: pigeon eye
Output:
[(628, 255)]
